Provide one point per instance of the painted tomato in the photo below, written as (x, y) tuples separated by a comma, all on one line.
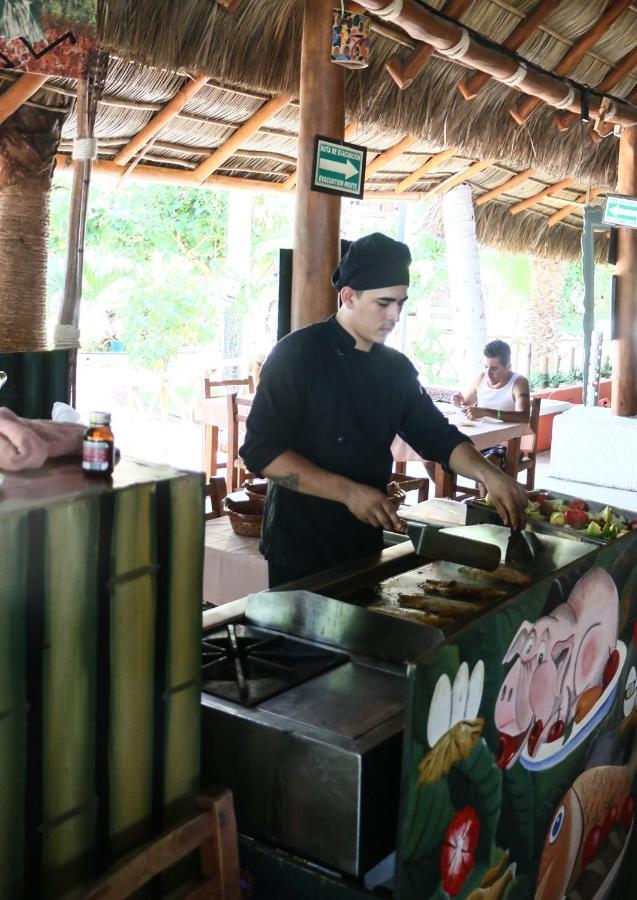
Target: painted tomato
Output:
[(591, 845), (556, 731), (578, 504), (458, 850), (534, 737), (610, 820), (612, 664), (628, 811)]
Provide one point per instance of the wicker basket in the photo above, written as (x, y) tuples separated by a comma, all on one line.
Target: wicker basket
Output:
[(245, 516), (256, 490)]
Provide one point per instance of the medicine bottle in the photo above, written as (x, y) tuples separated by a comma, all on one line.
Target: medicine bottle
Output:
[(98, 451)]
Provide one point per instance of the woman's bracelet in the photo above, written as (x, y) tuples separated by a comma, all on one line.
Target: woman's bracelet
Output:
[(498, 414)]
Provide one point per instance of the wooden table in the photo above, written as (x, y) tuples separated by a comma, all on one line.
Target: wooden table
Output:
[(483, 433)]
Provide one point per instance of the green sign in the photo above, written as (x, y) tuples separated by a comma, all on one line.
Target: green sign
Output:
[(339, 168), (621, 210)]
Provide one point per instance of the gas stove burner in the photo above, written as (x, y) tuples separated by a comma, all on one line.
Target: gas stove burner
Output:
[(248, 665)]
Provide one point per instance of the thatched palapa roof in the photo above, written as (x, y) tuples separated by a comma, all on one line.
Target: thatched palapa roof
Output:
[(253, 56)]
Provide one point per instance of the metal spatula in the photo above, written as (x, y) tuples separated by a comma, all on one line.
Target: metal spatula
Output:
[(432, 544), (520, 552)]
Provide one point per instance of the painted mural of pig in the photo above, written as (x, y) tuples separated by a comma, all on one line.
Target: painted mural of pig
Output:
[(556, 659)]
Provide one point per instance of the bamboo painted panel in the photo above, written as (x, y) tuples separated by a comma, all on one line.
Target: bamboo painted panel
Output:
[(100, 618), (13, 541), (520, 753)]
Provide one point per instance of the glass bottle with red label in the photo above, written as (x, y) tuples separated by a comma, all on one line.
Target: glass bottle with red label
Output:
[(98, 451)]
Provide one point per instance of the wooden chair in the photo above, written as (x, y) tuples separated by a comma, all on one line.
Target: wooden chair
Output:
[(215, 493), (228, 386), (214, 462), (409, 483), (529, 454), (213, 831), (238, 411)]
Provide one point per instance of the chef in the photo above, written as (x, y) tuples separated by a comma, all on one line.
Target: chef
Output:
[(331, 399)]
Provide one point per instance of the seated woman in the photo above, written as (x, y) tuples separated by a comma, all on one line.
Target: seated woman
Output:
[(497, 392)]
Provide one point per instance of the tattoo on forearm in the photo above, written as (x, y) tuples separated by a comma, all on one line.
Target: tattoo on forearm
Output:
[(290, 481)]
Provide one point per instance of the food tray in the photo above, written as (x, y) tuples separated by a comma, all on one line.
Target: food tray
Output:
[(478, 512)]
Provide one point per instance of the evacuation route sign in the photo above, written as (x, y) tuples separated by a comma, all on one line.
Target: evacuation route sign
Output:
[(338, 168), (621, 210)]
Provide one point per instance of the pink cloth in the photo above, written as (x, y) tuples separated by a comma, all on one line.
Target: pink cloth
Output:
[(28, 443)]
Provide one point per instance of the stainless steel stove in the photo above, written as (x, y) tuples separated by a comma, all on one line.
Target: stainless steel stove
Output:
[(303, 712), (248, 665)]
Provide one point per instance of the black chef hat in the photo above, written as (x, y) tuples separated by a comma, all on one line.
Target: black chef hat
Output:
[(372, 262)]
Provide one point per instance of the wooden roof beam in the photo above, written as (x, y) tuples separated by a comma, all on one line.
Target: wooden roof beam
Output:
[(522, 111), (431, 163), (582, 200), (163, 117), (20, 91), (626, 64), (205, 169), (382, 160), (465, 175), (507, 185), (454, 41), (470, 87), (404, 71), (164, 175), (547, 192)]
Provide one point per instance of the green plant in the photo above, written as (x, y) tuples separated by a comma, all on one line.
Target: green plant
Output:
[(429, 353)]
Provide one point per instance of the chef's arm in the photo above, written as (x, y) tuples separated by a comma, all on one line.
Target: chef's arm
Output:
[(295, 472), (509, 497)]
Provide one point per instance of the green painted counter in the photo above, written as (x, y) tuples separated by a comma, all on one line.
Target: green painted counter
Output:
[(100, 622)]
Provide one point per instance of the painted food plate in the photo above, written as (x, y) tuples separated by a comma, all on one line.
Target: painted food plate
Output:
[(550, 754)]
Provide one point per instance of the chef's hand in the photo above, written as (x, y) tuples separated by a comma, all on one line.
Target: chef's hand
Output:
[(509, 497), (473, 412), (457, 399), (372, 506)]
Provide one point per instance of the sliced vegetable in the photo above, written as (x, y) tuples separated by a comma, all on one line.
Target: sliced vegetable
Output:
[(594, 530), (576, 518), (557, 518)]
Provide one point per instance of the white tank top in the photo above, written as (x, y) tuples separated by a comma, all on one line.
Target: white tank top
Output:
[(497, 398)]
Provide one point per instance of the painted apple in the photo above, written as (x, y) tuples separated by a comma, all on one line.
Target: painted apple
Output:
[(458, 850)]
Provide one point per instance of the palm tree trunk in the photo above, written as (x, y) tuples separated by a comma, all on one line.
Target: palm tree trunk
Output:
[(28, 143), (465, 286)]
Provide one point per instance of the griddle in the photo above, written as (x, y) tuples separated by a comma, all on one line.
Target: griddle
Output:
[(551, 554)]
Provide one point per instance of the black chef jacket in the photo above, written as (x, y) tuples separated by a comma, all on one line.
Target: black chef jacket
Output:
[(340, 408)]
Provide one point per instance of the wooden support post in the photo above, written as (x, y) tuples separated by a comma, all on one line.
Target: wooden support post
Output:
[(318, 215), (624, 395), (21, 90)]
